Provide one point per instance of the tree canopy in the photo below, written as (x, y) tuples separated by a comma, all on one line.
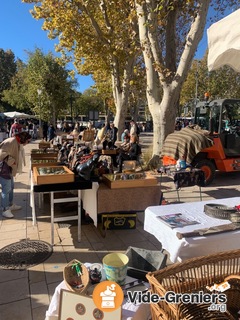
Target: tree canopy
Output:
[(222, 83), (112, 36), (41, 84), (8, 68), (98, 36)]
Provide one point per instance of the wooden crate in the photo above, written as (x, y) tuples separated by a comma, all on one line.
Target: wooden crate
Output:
[(114, 181), (108, 151), (53, 178), (44, 157), (48, 163), (68, 140), (43, 151), (44, 145)]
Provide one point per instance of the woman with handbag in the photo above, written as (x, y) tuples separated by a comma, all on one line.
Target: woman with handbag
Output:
[(10, 152)]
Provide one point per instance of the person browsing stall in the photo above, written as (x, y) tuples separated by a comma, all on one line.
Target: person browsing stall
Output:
[(132, 154), (113, 133), (110, 137), (125, 146), (15, 128), (101, 134), (125, 134), (10, 163), (51, 132)]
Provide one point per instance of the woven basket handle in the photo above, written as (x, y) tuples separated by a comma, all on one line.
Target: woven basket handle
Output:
[(232, 276)]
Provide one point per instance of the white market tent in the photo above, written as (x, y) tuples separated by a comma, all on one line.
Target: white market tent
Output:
[(224, 42), (19, 115)]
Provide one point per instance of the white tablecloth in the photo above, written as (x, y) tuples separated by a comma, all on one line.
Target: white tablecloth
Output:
[(89, 199), (181, 249)]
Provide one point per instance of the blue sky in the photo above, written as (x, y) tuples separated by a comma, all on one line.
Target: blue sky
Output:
[(20, 33)]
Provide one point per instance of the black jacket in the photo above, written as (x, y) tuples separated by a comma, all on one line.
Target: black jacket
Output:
[(134, 151)]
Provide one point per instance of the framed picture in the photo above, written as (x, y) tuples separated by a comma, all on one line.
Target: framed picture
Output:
[(74, 306)]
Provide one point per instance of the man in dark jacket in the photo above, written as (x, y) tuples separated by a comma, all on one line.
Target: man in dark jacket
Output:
[(132, 154), (51, 132), (111, 137)]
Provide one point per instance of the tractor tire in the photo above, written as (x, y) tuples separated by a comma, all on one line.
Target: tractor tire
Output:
[(208, 168)]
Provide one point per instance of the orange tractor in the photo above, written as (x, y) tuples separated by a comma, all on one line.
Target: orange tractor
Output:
[(219, 150), (222, 119)]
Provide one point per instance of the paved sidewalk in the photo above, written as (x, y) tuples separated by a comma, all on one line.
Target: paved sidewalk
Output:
[(25, 295)]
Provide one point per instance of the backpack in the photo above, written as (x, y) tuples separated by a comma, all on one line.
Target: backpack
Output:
[(138, 130)]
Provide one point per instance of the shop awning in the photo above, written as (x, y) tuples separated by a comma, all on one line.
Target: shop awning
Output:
[(224, 42), (19, 115)]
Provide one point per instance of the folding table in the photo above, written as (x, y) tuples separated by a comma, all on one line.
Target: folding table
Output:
[(78, 185), (204, 237)]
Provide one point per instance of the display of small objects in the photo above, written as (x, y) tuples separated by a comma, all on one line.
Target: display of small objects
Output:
[(40, 151), (126, 176), (78, 269), (80, 309), (98, 314), (50, 170), (43, 161), (95, 273)]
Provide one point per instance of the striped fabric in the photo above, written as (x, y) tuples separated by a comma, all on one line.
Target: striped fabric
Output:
[(185, 143)]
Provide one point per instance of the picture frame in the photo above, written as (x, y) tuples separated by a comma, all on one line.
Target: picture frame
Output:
[(81, 307)]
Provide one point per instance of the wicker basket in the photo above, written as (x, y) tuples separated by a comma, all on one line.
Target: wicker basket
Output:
[(73, 281), (194, 275)]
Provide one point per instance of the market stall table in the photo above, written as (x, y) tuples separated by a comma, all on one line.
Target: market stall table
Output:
[(101, 199), (78, 185), (130, 311), (186, 242)]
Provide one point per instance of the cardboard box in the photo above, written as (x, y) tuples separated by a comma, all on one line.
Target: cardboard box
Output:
[(113, 221), (129, 180), (51, 178)]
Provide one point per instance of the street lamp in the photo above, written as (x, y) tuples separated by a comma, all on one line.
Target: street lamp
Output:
[(39, 91)]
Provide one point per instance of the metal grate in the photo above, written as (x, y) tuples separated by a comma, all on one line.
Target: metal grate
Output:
[(24, 254)]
